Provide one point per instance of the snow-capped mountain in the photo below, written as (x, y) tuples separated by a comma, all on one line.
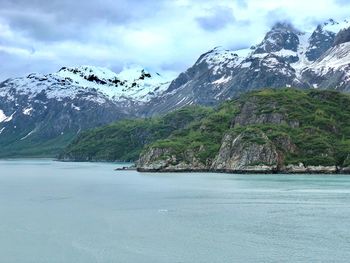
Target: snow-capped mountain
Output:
[(53, 108), (133, 84), (287, 57)]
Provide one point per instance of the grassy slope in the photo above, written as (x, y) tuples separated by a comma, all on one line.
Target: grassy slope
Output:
[(33, 147), (124, 140)]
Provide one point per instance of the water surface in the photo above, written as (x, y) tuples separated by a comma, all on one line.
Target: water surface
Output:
[(87, 212)]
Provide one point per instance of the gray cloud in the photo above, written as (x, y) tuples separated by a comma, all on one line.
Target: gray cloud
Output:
[(64, 19), (218, 18)]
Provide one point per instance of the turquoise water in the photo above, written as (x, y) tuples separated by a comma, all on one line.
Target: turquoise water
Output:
[(87, 212)]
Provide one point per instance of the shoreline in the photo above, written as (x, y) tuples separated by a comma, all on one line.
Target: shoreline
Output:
[(225, 171), (326, 170)]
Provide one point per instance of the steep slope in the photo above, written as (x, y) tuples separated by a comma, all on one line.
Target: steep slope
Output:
[(124, 140), (284, 130), (41, 114), (286, 57), (332, 69)]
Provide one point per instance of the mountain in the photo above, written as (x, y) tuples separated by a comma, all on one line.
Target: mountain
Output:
[(286, 57), (272, 130), (40, 114)]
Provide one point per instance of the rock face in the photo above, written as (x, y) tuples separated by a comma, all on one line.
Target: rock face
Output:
[(282, 36), (164, 160), (238, 154)]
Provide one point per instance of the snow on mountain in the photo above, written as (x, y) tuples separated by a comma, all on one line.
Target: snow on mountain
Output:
[(220, 59), (332, 70), (334, 26), (132, 84), (334, 59)]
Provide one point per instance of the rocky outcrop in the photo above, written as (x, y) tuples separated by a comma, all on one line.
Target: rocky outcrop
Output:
[(281, 36), (164, 160), (251, 113), (249, 151), (320, 42), (301, 168), (342, 37)]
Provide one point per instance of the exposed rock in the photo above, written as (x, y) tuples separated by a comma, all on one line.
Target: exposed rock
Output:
[(345, 170), (320, 42), (237, 153), (250, 113), (163, 160), (155, 159), (281, 36), (301, 168), (342, 37)]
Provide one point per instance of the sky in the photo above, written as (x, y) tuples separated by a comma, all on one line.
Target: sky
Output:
[(162, 35)]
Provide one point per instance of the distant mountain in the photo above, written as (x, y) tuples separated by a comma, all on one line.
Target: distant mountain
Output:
[(286, 57), (40, 114)]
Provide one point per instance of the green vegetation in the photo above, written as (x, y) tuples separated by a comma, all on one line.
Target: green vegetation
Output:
[(33, 146), (202, 137), (124, 140)]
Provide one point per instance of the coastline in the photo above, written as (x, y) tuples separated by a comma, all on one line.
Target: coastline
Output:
[(340, 171)]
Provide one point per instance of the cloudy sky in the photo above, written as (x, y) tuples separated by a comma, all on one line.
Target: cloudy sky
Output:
[(163, 35)]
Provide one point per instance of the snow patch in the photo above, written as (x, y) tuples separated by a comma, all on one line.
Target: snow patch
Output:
[(75, 107), (4, 118), (25, 137), (28, 111), (246, 64), (220, 59), (222, 80)]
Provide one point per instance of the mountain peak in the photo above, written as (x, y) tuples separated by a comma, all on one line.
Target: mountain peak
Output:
[(284, 26), (87, 72), (282, 36)]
